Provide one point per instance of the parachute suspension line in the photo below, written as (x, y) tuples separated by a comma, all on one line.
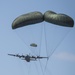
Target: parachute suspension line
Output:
[(46, 65), (48, 72), (45, 46), (41, 67), (20, 67), (23, 41), (26, 66), (60, 41), (45, 38), (36, 68), (41, 34), (29, 69), (43, 70)]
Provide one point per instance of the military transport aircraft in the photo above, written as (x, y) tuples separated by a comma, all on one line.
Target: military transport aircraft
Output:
[(27, 57)]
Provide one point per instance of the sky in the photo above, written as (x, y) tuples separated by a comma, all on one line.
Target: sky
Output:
[(59, 41)]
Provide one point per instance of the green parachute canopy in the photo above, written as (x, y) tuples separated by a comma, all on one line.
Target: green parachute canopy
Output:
[(27, 19), (58, 19), (33, 45), (37, 17)]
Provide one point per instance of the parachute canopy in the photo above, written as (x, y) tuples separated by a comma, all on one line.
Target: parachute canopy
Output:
[(27, 19), (33, 45), (37, 17), (58, 19)]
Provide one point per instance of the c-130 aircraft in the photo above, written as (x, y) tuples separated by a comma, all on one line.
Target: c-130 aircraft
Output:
[(27, 57)]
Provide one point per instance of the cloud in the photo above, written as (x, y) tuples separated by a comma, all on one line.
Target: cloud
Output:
[(65, 56)]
